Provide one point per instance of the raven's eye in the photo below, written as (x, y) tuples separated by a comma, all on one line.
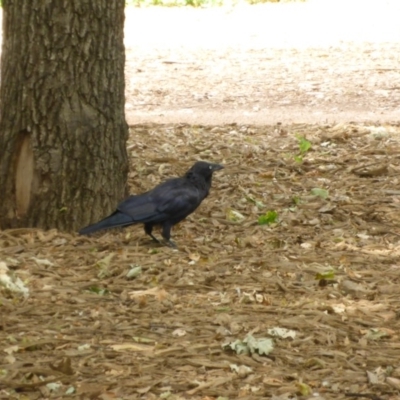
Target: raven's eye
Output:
[(210, 166)]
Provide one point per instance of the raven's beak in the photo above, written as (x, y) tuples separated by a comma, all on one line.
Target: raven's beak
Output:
[(217, 167)]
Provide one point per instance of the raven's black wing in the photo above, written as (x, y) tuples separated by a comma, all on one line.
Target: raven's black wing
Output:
[(114, 220), (171, 201)]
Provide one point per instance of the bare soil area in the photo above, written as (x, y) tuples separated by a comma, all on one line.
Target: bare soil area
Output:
[(115, 316), (320, 61)]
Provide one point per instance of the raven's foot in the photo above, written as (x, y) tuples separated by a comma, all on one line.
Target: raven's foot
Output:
[(167, 242), (154, 238), (171, 244)]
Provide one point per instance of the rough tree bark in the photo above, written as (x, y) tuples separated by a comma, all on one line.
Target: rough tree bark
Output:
[(63, 160)]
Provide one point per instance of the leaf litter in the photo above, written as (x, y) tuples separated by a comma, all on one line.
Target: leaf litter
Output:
[(117, 316)]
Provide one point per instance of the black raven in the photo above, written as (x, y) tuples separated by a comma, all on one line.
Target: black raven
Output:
[(167, 204)]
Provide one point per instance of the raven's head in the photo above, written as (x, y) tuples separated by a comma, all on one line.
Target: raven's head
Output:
[(205, 169), (201, 176)]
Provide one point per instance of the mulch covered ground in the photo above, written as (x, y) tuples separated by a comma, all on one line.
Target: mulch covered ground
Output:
[(116, 316)]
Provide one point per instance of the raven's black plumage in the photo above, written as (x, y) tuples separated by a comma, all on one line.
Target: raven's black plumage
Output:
[(167, 204)]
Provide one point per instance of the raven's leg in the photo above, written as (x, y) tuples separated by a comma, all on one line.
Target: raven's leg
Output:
[(148, 228), (166, 234)]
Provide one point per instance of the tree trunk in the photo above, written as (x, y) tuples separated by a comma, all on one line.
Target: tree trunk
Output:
[(63, 160)]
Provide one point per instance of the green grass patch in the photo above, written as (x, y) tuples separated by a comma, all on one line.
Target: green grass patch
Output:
[(269, 217)]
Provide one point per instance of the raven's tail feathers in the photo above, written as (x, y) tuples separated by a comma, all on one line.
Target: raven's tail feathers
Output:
[(113, 221)]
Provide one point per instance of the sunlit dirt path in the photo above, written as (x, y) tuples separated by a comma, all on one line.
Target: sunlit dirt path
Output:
[(310, 62)]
